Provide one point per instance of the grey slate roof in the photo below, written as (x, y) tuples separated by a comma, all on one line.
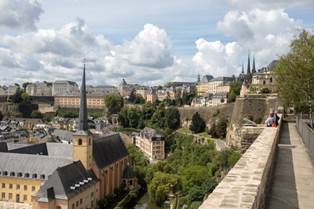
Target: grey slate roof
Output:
[(59, 150), (30, 164), (67, 181), (35, 149), (108, 149)]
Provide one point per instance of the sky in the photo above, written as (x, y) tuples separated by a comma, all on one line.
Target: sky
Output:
[(144, 41)]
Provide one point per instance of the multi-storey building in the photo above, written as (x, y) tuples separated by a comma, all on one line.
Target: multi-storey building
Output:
[(213, 86), (64, 176), (39, 89), (151, 143), (64, 88), (93, 102)]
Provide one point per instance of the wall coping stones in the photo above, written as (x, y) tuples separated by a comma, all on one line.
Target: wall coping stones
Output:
[(245, 185)]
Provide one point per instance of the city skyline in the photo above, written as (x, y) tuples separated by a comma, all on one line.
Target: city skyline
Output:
[(143, 42)]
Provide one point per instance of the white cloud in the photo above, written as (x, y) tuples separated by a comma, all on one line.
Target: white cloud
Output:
[(58, 54), (266, 33), (19, 14)]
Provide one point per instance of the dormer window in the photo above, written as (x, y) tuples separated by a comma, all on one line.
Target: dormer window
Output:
[(34, 176), (5, 173), (42, 176), (12, 174), (26, 175), (19, 174)]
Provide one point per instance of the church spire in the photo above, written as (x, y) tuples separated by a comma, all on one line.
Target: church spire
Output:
[(248, 65), (83, 125), (253, 69)]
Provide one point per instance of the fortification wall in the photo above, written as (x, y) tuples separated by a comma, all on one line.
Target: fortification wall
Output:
[(206, 113), (246, 184)]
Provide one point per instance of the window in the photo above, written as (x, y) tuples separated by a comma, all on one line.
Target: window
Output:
[(58, 207), (42, 176), (17, 198), (81, 201), (10, 186), (25, 197), (12, 174), (73, 206), (80, 142), (33, 188), (34, 176), (77, 202), (25, 187), (17, 186), (3, 185), (3, 195), (271, 80), (10, 196)]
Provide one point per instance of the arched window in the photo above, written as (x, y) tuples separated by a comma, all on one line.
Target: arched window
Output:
[(80, 142), (34, 176), (12, 174)]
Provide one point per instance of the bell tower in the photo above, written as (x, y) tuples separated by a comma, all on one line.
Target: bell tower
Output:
[(82, 138)]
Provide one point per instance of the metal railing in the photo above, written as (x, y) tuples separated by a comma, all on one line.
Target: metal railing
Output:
[(307, 134)]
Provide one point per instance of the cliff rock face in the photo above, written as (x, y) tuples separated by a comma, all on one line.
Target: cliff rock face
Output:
[(255, 108)]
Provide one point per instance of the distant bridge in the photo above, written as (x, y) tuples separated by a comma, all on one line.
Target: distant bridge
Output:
[(276, 172)]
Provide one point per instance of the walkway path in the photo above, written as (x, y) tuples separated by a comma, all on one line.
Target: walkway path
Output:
[(293, 177)]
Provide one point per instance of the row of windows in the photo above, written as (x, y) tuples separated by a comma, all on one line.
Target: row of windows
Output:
[(9, 196), (17, 187), (25, 175)]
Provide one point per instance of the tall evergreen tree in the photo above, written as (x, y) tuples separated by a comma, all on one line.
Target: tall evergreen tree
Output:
[(198, 124)]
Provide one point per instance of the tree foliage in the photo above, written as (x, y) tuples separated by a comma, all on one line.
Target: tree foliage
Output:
[(198, 124), (294, 72), (234, 91), (172, 118), (114, 103)]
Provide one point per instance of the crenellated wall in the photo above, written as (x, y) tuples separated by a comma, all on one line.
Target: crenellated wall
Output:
[(246, 183)]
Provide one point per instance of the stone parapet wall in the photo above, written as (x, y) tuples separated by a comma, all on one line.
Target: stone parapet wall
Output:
[(246, 184)]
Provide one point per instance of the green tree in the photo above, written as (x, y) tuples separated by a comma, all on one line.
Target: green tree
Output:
[(162, 185), (134, 117), (219, 128), (114, 103), (158, 118), (172, 118), (123, 117), (194, 175), (198, 124), (294, 73), (148, 111), (234, 91)]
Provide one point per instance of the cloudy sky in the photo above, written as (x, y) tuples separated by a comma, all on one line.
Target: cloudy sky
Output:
[(144, 41)]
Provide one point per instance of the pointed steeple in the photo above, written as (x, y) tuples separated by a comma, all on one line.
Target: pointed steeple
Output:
[(198, 78), (248, 65), (83, 124), (253, 69)]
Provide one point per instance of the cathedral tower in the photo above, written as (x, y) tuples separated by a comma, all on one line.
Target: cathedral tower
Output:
[(82, 139)]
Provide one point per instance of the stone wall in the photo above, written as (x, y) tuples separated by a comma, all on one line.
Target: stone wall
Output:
[(254, 107), (206, 113), (246, 184)]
